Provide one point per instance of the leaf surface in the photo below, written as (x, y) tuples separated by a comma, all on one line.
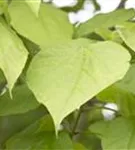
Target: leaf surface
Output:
[(127, 33), (34, 5), (104, 21), (117, 134), (50, 27), (66, 76), (23, 101), (36, 137), (13, 54), (122, 93)]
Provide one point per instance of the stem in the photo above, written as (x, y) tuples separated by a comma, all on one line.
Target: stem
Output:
[(76, 122), (109, 109)]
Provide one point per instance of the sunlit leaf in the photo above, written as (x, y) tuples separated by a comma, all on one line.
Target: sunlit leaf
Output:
[(127, 33), (50, 27), (66, 76), (13, 54), (105, 21), (34, 5)]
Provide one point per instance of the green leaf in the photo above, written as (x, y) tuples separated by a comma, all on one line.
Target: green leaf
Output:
[(11, 125), (34, 5), (32, 48), (128, 81), (89, 140), (127, 33), (2, 83), (117, 134), (2, 78), (122, 93), (125, 100), (104, 21), (50, 27), (66, 76), (78, 146), (13, 54), (23, 101), (3, 6), (107, 35), (33, 138)]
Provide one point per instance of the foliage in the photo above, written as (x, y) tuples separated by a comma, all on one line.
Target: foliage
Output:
[(55, 78)]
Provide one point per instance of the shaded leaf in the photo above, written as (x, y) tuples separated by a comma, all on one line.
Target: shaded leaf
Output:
[(117, 134), (23, 101), (11, 125), (34, 137), (90, 141), (2, 78)]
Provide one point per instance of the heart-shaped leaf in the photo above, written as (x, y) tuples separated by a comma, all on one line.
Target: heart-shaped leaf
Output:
[(66, 76)]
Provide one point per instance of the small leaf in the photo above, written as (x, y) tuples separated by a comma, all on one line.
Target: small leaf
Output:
[(104, 21), (13, 54), (34, 5), (108, 35), (23, 101), (50, 27), (117, 134), (127, 33), (66, 76)]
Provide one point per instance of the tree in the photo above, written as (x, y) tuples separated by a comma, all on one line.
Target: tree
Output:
[(65, 86)]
